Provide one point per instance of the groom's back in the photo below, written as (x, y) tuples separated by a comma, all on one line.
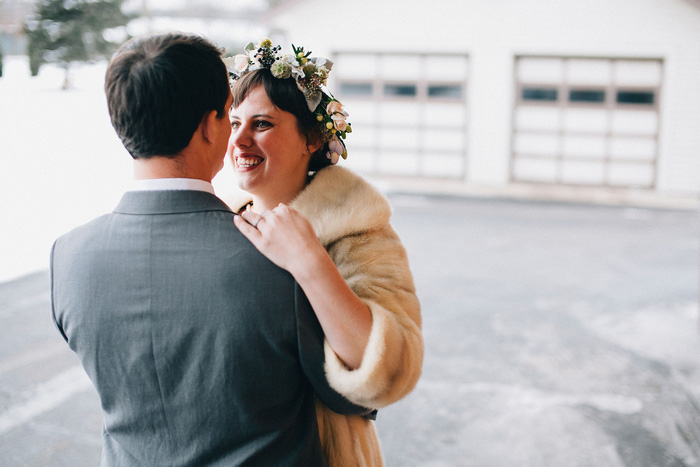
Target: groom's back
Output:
[(189, 335)]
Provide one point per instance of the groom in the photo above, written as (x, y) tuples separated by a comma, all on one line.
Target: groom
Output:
[(202, 351)]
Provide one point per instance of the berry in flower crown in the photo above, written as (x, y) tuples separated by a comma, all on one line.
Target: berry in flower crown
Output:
[(310, 75)]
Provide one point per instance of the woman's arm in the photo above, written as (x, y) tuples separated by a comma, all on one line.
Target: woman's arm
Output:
[(287, 239), (375, 266)]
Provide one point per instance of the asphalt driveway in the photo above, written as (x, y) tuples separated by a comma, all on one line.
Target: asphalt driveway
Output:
[(556, 335)]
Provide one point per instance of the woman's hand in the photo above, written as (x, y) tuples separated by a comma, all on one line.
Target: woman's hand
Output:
[(287, 239), (283, 235)]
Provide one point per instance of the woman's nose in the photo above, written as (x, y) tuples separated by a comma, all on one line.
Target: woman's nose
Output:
[(240, 137)]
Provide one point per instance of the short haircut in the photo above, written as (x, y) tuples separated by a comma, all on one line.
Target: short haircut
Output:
[(158, 89), (285, 95)]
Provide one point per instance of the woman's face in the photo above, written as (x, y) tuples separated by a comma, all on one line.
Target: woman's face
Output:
[(268, 151)]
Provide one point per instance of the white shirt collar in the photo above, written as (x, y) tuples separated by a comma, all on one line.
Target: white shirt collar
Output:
[(159, 184)]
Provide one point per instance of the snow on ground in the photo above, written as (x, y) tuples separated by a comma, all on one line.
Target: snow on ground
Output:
[(61, 164)]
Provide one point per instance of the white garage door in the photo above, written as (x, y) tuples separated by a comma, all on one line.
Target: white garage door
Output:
[(408, 112), (586, 121)]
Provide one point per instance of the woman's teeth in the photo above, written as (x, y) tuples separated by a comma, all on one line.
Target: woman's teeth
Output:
[(246, 162)]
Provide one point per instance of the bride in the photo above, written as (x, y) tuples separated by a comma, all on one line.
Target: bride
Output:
[(330, 229)]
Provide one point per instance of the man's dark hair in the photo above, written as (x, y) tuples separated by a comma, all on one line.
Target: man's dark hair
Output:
[(159, 88), (285, 95)]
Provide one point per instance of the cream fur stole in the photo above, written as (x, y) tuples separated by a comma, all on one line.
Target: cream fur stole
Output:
[(351, 220)]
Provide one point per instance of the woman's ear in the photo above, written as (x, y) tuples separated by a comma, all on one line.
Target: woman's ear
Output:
[(313, 144)]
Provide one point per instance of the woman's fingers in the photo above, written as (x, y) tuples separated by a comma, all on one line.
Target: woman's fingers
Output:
[(283, 235), (252, 218), (246, 228)]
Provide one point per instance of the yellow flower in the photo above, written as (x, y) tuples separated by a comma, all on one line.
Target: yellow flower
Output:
[(266, 43), (329, 125)]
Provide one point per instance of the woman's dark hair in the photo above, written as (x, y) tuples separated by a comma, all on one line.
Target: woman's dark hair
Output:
[(285, 95), (159, 88)]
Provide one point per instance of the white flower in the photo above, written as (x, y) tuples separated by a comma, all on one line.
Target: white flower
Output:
[(230, 63), (338, 115), (339, 121), (281, 69), (288, 59), (312, 98), (253, 62), (323, 62), (298, 72), (322, 73), (333, 107), (241, 63), (237, 64)]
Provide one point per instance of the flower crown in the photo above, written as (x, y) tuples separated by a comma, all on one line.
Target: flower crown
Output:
[(310, 75)]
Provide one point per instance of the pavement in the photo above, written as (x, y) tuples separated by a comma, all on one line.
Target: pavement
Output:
[(556, 334)]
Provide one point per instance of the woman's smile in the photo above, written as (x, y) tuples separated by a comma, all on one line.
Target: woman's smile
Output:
[(247, 161)]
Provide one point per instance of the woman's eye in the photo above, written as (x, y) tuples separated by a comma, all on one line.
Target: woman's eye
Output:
[(235, 124)]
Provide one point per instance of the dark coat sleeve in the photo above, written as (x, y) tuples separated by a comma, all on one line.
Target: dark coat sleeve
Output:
[(311, 353)]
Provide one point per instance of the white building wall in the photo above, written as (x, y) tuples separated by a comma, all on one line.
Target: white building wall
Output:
[(679, 162), (492, 33)]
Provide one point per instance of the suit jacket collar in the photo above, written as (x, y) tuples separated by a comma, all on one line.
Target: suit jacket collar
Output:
[(169, 202)]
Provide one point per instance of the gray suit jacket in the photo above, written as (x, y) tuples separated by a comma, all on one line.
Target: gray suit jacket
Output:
[(202, 351)]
